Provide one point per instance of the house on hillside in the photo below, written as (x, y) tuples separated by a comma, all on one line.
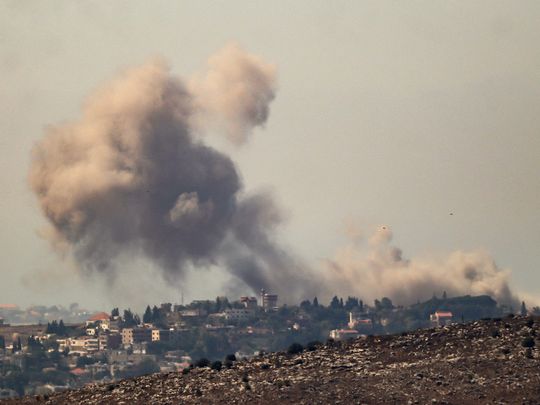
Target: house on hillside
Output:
[(360, 323), (441, 318), (101, 319), (344, 334)]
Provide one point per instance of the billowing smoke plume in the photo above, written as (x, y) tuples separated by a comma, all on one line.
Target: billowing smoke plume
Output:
[(130, 177), (380, 270), (235, 92)]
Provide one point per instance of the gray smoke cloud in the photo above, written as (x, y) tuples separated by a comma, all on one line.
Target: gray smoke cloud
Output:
[(131, 176), (377, 268)]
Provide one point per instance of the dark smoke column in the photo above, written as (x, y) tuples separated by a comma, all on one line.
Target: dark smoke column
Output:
[(130, 177)]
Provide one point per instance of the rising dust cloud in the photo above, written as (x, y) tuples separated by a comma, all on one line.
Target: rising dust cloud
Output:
[(133, 176), (377, 268)]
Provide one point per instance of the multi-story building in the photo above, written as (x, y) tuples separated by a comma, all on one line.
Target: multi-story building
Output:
[(77, 345), (62, 344), (94, 344), (268, 301), (238, 314), (163, 335), (132, 336)]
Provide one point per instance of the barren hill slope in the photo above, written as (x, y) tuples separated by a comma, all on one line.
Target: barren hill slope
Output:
[(480, 362)]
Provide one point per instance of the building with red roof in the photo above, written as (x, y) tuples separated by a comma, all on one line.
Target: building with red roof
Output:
[(100, 316), (441, 318), (102, 319)]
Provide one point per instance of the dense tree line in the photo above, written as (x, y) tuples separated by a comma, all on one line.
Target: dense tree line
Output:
[(57, 328)]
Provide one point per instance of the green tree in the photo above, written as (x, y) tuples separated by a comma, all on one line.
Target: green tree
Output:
[(352, 302), (305, 304), (222, 304), (156, 314), (334, 304), (147, 366), (158, 317), (230, 357), (523, 311), (202, 362), (158, 348), (33, 344), (147, 317), (82, 361), (52, 327), (129, 319), (295, 348), (62, 330), (386, 303), (12, 377)]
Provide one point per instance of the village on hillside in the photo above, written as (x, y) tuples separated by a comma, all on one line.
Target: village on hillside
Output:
[(49, 356)]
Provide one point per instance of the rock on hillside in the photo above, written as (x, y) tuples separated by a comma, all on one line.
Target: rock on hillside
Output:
[(480, 362)]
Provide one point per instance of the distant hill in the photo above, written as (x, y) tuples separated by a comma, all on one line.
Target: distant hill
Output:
[(490, 361)]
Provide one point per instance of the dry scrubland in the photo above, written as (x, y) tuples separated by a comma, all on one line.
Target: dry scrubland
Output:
[(481, 362)]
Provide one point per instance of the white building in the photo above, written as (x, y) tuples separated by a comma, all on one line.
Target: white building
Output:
[(362, 322), (83, 344), (132, 336), (441, 318), (193, 312), (344, 334)]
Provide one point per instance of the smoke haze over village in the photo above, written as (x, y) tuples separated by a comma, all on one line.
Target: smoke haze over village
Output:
[(132, 178), (152, 182)]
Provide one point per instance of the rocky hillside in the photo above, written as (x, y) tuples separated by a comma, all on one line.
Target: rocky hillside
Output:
[(492, 361)]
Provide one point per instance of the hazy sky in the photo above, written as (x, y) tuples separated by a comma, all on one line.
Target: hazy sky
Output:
[(395, 113)]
